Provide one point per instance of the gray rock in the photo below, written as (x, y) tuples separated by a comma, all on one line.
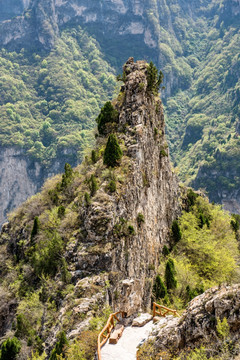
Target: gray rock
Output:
[(142, 320)]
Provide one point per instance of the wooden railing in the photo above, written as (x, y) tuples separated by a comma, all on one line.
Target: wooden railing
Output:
[(162, 310), (106, 331)]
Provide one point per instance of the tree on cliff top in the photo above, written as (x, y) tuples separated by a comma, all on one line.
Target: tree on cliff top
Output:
[(107, 115), (113, 153), (154, 79)]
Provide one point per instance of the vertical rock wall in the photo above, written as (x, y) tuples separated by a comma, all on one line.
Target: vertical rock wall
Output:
[(152, 189)]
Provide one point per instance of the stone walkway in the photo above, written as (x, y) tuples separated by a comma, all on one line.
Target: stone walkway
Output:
[(126, 347)]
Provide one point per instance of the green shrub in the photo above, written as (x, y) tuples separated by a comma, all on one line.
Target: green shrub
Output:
[(235, 222), (140, 219), (107, 115), (163, 153), (170, 273), (87, 199), (159, 289), (191, 198), (65, 274), (22, 327), (222, 328), (61, 211), (141, 86), (67, 176), (112, 186), (176, 231), (10, 349), (166, 251), (93, 185), (113, 153), (35, 229), (47, 257), (131, 230), (154, 80), (53, 194), (60, 346), (94, 156)]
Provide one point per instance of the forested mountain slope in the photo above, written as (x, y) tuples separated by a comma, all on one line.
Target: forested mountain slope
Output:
[(196, 45)]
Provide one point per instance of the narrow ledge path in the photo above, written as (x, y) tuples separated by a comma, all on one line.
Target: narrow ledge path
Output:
[(126, 348)]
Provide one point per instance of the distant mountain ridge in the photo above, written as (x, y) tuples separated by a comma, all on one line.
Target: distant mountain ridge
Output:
[(11, 8)]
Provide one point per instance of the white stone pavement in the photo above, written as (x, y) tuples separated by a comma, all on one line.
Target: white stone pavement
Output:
[(126, 347)]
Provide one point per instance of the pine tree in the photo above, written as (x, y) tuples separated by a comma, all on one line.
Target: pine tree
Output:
[(35, 229), (170, 273), (93, 185), (10, 349), (67, 176), (113, 153), (107, 115), (154, 80), (176, 231), (159, 289), (60, 346)]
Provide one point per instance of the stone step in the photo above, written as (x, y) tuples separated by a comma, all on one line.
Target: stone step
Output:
[(116, 334)]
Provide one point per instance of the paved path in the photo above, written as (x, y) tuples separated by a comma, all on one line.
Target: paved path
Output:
[(126, 347)]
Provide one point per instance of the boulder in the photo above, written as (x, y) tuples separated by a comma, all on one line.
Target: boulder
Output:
[(142, 320)]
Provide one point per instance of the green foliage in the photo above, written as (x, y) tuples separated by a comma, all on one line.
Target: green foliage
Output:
[(49, 101), (176, 231), (131, 230), (10, 348), (67, 176), (112, 186), (140, 219), (94, 156), (35, 229), (205, 256), (108, 114), (87, 199), (22, 327), (47, 258), (165, 251), (170, 275), (36, 356), (191, 198), (163, 153), (222, 328), (154, 80), (235, 222), (159, 289), (93, 185), (60, 346), (113, 153), (61, 211), (74, 352), (122, 77)]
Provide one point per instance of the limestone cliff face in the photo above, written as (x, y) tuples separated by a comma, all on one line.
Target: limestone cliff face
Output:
[(151, 189), (41, 21), (21, 177)]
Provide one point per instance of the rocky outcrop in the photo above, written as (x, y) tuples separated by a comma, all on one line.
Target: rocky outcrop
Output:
[(21, 177), (197, 326), (128, 230)]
